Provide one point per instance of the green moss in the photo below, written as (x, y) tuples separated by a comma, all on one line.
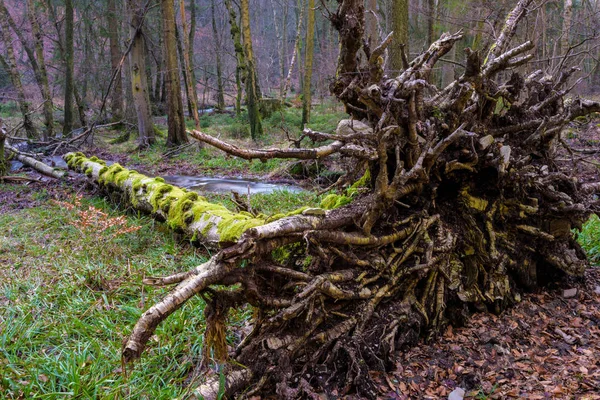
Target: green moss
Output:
[(170, 198), (275, 217), (333, 201), (89, 171), (230, 229), (178, 216), (363, 182), (109, 174), (75, 160), (157, 194)]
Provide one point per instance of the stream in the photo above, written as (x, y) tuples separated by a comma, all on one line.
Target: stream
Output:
[(200, 184), (225, 185)]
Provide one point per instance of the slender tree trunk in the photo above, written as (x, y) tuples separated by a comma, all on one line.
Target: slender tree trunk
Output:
[(3, 164), (184, 73), (240, 58), (11, 64), (430, 21), (283, 52), (371, 23), (220, 90), (61, 47), (190, 49), (288, 79), (399, 18), (566, 25), (308, 63), (252, 88), (42, 73), (139, 82), (191, 83), (68, 124), (115, 57), (176, 134)]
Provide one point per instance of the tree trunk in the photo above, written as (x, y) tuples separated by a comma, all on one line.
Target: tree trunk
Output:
[(288, 79), (190, 50), (184, 72), (566, 26), (283, 52), (139, 81), (115, 58), (69, 72), (398, 13), (11, 63), (41, 67), (252, 89), (176, 134), (430, 20), (240, 58), (187, 64), (220, 89), (61, 46), (308, 63), (372, 28), (4, 168)]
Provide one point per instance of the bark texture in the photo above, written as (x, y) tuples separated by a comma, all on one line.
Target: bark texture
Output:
[(115, 60), (308, 63), (11, 67), (176, 123), (69, 72), (240, 57), (139, 81), (187, 65), (40, 69), (253, 94)]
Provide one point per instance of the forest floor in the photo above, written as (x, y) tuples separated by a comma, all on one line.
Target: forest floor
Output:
[(70, 290)]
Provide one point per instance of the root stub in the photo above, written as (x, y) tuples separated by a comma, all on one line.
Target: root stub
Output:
[(465, 209)]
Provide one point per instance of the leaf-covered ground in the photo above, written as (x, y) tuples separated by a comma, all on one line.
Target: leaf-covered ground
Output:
[(547, 347)]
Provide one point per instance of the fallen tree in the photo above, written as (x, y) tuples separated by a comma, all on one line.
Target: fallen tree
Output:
[(464, 208)]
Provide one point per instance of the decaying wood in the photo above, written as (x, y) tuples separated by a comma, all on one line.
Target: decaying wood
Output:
[(463, 207), (39, 166)]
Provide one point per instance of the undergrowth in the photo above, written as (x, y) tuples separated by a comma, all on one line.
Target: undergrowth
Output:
[(234, 129), (70, 291), (589, 238)]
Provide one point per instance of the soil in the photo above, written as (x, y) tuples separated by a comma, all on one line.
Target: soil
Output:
[(36, 193)]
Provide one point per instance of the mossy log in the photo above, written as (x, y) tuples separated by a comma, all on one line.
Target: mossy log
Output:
[(463, 208), (184, 211)]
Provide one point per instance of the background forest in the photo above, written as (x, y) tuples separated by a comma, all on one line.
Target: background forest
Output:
[(36, 60)]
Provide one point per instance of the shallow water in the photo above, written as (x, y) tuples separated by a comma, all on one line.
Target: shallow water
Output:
[(195, 183), (226, 185)]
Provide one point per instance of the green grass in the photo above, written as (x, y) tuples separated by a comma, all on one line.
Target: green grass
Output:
[(279, 201), (69, 294), (589, 239)]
